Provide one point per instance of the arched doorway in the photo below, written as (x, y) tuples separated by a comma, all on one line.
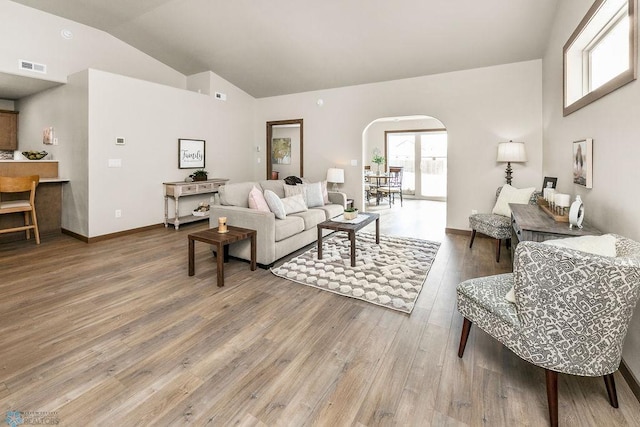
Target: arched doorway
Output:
[(417, 143)]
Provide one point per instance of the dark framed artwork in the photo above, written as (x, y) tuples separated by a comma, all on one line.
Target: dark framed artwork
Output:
[(191, 153), (583, 162), (549, 182)]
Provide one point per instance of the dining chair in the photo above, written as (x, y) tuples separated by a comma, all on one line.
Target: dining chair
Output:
[(393, 184), (15, 185)]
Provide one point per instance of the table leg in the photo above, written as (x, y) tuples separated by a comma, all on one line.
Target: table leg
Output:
[(253, 251), (176, 220), (378, 230), (192, 267), (352, 238), (319, 243), (166, 211), (220, 260)]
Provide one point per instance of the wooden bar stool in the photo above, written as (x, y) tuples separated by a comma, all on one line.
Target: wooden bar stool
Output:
[(21, 184)]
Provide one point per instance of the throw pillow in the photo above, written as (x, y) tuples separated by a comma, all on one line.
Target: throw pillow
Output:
[(257, 200), (294, 204), (292, 190), (598, 245), (510, 194), (275, 204), (313, 194), (325, 192)]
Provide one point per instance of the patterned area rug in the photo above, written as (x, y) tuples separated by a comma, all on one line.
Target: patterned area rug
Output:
[(390, 274)]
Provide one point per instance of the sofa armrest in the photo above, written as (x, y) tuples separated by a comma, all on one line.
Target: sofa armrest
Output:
[(263, 222), (338, 197)]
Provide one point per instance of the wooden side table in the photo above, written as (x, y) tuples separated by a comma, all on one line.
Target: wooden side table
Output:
[(221, 241), (529, 222)]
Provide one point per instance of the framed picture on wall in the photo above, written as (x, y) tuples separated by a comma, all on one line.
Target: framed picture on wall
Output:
[(583, 162), (191, 153)]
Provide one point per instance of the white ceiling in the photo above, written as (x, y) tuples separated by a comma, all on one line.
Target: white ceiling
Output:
[(275, 47)]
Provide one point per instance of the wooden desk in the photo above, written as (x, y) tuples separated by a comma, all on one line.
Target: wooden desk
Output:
[(179, 189), (529, 222), (221, 241)]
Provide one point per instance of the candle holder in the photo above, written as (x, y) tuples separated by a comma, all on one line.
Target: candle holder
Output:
[(222, 225)]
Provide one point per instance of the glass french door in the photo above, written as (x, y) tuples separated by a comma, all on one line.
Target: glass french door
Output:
[(423, 155)]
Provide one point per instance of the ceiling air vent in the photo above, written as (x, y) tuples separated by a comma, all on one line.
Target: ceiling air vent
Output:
[(32, 66)]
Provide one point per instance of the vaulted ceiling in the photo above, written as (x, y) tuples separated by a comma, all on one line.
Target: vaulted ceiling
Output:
[(275, 47)]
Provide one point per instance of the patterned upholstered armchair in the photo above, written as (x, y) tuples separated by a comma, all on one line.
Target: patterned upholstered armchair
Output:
[(494, 225), (571, 313)]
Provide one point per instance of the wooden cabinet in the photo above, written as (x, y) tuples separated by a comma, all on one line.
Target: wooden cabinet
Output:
[(176, 190), (8, 130)]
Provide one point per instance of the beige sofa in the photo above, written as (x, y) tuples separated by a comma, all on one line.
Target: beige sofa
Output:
[(275, 237)]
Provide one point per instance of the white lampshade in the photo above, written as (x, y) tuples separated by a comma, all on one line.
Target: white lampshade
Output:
[(335, 175), (511, 152)]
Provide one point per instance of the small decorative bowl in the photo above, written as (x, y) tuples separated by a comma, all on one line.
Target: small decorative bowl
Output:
[(34, 155)]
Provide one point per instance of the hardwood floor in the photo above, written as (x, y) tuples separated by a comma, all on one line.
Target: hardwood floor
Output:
[(116, 333)]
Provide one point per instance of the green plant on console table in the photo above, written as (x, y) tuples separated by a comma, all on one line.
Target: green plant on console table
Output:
[(199, 175)]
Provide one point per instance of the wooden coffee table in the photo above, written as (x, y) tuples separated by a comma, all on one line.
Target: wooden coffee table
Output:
[(351, 229), (221, 241)]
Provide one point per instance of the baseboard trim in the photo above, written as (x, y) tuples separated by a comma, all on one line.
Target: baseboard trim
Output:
[(110, 235), (630, 379), (457, 231)]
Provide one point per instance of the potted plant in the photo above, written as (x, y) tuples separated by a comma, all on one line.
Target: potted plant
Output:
[(199, 175), (350, 213), (378, 160)]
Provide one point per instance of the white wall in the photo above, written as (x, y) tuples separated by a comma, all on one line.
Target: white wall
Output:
[(95, 107), (34, 35), (7, 104), (66, 109), (479, 108), (612, 205)]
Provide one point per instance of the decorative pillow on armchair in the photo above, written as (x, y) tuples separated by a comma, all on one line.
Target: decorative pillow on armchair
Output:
[(510, 194)]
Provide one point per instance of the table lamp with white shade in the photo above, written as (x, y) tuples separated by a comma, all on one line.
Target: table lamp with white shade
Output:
[(336, 176), (511, 152)]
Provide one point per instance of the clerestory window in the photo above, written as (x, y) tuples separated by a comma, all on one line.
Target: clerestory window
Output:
[(600, 55)]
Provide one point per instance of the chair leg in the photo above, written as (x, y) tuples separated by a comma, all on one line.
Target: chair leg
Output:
[(552, 396), (497, 250), (466, 327), (26, 222), (400, 198), (473, 236), (611, 390)]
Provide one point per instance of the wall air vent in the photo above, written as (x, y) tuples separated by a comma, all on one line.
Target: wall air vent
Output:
[(32, 66)]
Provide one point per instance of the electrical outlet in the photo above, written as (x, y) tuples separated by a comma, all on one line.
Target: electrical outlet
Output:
[(474, 211), (118, 213)]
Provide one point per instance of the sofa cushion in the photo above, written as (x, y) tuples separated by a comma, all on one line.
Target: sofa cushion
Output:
[(275, 204), (294, 204), (257, 200), (330, 211), (311, 218), (275, 185), (288, 227), (236, 194)]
